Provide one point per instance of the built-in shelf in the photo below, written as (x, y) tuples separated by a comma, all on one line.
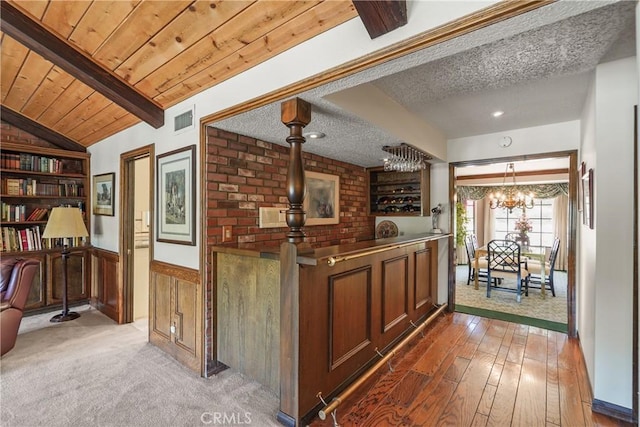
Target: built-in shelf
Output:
[(398, 193)]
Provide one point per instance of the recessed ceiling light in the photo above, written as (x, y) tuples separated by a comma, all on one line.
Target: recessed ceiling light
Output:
[(497, 113), (314, 135)]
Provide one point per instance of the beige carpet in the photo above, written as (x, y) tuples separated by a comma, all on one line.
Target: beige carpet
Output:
[(92, 372), (535, 306)]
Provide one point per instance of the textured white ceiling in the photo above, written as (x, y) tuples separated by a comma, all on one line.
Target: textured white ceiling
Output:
[(535, 67)]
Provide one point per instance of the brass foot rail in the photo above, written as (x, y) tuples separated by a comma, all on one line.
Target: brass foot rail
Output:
[(328, 409), (334, 260)]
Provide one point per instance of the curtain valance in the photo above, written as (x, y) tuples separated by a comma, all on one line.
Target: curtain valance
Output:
[(540, 191)]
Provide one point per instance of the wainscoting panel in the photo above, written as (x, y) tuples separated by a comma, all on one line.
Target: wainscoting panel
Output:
[(106, 265), (176, 312), (395, 280), (423, 290), (160, 293), (186, 316), (350, 326)]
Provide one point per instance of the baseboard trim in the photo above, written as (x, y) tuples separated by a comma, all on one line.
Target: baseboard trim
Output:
[(530, 321), (612, 410), (214, 367)]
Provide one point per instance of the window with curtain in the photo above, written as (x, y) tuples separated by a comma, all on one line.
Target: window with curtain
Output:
[(470, 208), (541, 217)]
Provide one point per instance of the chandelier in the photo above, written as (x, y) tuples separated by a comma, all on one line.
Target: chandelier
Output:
[(405, 158), (508, 197)]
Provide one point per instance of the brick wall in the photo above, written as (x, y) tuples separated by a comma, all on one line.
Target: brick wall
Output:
[(243, 174), (10, 133)]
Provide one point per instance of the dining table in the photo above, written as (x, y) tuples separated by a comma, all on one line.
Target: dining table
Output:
[(526, 253)]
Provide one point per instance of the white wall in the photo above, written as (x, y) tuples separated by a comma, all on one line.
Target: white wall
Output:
[(440, 194), (539, 139), (310, 58), (615, 95), (586, 245)]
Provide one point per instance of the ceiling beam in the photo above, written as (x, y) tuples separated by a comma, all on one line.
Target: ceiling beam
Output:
[(381, 16), (75, 62), (36, 129), (518, 174)]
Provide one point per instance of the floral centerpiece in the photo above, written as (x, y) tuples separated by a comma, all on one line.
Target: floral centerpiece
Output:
[(523, 226)]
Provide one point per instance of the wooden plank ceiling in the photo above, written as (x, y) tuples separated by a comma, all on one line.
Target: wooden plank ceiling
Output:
[(166, 50)]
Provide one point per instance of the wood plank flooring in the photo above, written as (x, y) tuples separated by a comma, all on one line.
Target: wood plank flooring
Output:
[(472, 371)]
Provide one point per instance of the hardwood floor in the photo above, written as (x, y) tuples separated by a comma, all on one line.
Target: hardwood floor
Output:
[(472, 371)]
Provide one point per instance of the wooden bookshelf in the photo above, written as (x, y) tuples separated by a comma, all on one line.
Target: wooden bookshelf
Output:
[(33, 181)]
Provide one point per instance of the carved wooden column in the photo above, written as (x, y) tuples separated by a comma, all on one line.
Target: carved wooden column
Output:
[(295, 114)]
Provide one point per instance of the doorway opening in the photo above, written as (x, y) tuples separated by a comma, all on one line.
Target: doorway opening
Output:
[(553, 215), (137, 231)]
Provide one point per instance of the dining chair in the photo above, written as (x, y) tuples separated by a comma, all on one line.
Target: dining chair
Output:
[(471, 255), (503, 257), (535, 269), (474, 240)]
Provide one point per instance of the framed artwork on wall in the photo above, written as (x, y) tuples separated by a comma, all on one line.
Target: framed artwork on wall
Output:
[(587, 199), (581, 171), (104, 194), (322, 202), (176, 205)]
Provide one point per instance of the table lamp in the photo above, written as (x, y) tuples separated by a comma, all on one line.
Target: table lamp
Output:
[(65, 222)]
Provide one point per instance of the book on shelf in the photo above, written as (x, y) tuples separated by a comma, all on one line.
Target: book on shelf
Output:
[(6, 239), (12, 213), (11, 186), (38, 214), (46, 187), (10, 160), (20, 240), (24, 240), (31, 162)]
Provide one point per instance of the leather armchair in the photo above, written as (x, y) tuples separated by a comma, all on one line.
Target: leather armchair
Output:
[(15, 284)]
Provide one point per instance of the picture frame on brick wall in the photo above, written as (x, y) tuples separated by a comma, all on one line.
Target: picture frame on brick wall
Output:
[(322, 202), (176, 201)]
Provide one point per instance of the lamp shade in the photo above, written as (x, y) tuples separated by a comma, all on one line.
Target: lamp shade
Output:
[(65, 222)]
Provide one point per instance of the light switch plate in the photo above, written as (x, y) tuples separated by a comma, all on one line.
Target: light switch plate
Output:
[(227, 233)]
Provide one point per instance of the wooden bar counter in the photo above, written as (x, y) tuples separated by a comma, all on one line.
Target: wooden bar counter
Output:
[(304, 321)]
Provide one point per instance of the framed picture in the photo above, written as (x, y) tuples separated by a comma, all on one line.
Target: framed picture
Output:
[(176, 204), (103, 194), (581, 171), (587, 199), (322, 202)]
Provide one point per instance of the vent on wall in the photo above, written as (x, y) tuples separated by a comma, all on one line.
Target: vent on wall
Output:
[(183, 121)]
